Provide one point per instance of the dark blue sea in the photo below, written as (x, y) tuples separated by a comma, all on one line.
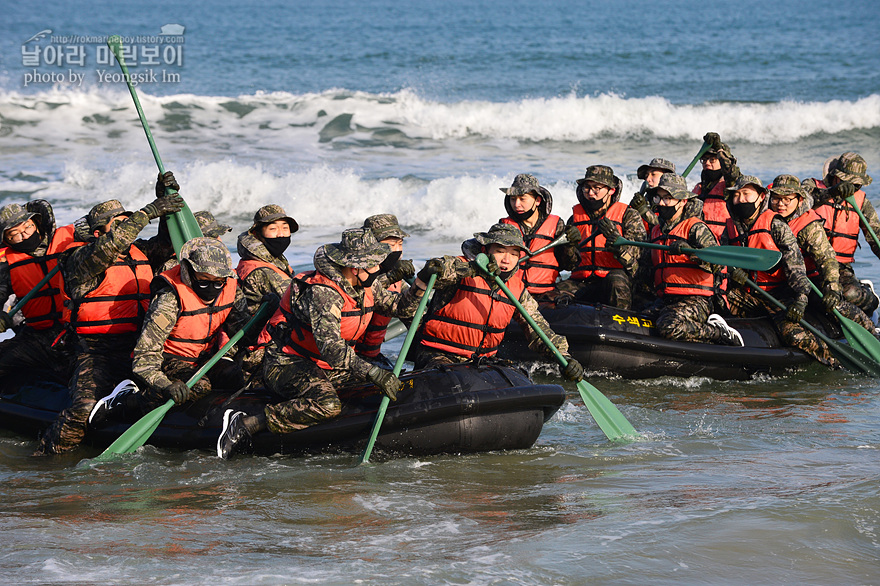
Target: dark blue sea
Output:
[(340, 110)]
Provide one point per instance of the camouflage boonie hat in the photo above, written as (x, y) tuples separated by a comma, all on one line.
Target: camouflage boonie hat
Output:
[(787, 185), (675, 185), (747, 180), (272, 212), (207, 255), (384, 226), (522, 184), (656, 163), (210, 226), (102, 213), (12, 215), (851, 167), (601, 174), (358, 249), (503, 234)]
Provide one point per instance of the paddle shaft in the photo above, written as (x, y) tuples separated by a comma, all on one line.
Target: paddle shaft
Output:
[(398, 366), (701, 152), (23, 301), (560, 240), (851, 200)]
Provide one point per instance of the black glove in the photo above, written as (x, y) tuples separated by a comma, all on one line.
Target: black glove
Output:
[(573, 235), (831, 300), (162, 206), (432, 267), (404, 269), (738, 276), (491, 266), (713, 139), (676, 245), (795, 313), (727, 161), (609, 231), (272, 298), (163, 182), (639, 204), (574, 371), (5, 321), (842, 190), (178, 391), (386, 381)]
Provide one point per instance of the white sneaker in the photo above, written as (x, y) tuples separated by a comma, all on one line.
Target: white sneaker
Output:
[(870, 284), (111, 402), (730, 336)]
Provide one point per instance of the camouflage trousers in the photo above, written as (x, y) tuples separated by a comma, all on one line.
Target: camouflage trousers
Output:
[(31, 351), (683, 318), (745, 303), (430, 357), (310, 391), (102, 362), (223, 375), (855, 292), (614, 289), (846, 309)]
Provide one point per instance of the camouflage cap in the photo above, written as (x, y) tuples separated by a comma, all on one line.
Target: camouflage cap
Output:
[(384, 226), (602, 175), (522, 184), (358, 249), (12, 215), (503, 234), (210, 226), (851, 167), (787, 185), (656, 163), (747, 180), (272, 212), (207, 255), (675, 185), (102, 213)]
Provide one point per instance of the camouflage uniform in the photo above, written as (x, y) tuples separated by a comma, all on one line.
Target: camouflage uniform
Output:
[(150, 365), (309, 390), (616, 287), (746, 303), (102, 360), (640, 202)]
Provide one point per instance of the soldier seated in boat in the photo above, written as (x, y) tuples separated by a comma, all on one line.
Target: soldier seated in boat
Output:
[(528, 208), (686, 285), (393, 272), (603, 272), (719, 173), (793, 204), (844, 177), (193, 305), (107, 282), (752, 227), (33, 247), (650, 175), (263, 270), (468, 314), (321, 315)]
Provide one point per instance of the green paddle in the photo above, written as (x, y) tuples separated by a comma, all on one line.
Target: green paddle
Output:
[(23, 301), (530, 253), (850, 358), (609, 418), (851, 200), (182, 225), (138, 434), (751, 259), (857, 336), (706, 146), (398, 366)]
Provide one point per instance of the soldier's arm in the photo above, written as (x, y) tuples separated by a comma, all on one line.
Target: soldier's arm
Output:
[(535, 343), (792, 260), (700, 236), (814, 242), (567, 254), (5, 283), (324, 306), (392, 303), (91, 260), (261, 281), (633, 229), (871, 216), (162, 314), (237, 318)]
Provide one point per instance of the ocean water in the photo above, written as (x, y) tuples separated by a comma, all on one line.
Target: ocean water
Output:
[(340, 110)]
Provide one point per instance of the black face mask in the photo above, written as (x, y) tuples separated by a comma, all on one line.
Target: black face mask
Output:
[(593, 204), (506, 274), (390, 261), (369, 280), (277, 246), (29, 244), (208, 291), (711, 175), (666, 212), (743, 211), (522, 216)]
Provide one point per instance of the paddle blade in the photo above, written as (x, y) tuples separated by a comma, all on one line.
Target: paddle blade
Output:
[(138, 434), (750, 259), (608, 417), (860, 338)]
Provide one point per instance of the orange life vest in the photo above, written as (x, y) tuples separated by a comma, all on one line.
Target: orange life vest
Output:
[(595, 258), (842, 227), (46, 308), (677, 274), (473, 322), (198, 322), (715, 212), (118, 304), (539, 273), (245, 268), (371, 342), (759, 237), (799, 224), (301, 341)]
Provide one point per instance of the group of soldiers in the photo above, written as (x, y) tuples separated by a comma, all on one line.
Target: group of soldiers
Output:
[(122, 307)]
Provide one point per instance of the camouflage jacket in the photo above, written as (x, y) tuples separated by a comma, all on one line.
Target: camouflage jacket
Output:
[(455, 269), (263, 280), (321, 309), (161, 317)]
